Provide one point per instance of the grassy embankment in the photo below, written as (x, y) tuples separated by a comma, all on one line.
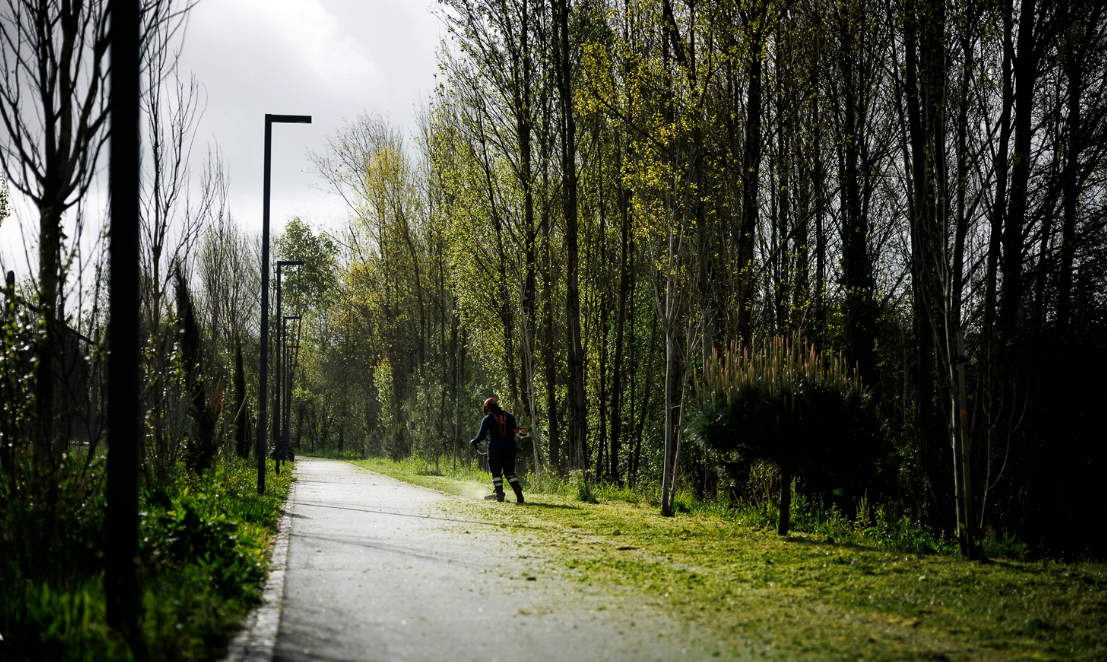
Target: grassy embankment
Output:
[(204, 546), (834, 589)]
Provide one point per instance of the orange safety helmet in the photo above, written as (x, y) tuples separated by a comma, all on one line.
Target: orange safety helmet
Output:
[(489, 402)]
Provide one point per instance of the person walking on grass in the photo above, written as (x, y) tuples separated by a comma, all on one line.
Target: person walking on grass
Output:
[(499, 426)]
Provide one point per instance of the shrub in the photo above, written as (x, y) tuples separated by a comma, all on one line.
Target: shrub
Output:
[(204, 411), (203, 544), (783, 401), (586, 492)]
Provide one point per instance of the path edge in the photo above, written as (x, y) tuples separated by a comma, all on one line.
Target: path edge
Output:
[(257, 640)]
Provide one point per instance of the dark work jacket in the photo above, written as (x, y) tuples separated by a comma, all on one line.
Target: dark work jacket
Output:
[(499, 427)]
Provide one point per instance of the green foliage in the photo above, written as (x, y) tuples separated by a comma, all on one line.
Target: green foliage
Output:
[(67, 623), (184, 535), (1008, 547), (16, 381), (783, 401), (315, 281), (585, 491), (332, 454), (4, 209), (202, 551)]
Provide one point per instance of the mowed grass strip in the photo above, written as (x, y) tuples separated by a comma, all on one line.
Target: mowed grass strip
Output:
[(804, 595)]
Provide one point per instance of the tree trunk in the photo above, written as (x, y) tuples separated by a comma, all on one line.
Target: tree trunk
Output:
[(856, 265), (1071, 192), (48, 343), (524, 130), (1026, 75), (620, 324), (751, 175), (603, 333), (242, 437), (647, 389), (927, 73), (667, 469), (784, 509), (549, 355), (818, 177), (990, 368), (578, 416)]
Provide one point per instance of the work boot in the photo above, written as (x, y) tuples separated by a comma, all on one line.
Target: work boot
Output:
[(499, 494), (515, 486)]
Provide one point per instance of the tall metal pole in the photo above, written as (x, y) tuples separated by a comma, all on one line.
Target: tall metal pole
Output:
[(288, 399), (287, 387), (280, 385), (263, 360), (293, 360), (121, 521), (288, 394), (286, 409)]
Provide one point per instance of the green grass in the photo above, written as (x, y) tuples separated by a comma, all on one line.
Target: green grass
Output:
[(808, 595), (203, 550), (331, 454)]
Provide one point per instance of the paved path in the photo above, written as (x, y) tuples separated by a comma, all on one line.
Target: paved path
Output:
[(377, 570)]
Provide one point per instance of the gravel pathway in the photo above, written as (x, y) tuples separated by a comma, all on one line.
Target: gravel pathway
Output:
[(378, 570)]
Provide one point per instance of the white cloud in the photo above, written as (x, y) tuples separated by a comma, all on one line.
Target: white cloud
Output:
[(304, 30)]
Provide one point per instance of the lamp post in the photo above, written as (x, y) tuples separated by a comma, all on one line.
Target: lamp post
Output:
[(264, 359), (286, 410), (280, 355), (124, 411)]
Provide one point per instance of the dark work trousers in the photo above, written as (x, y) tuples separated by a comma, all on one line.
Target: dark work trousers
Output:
[(501, 460)]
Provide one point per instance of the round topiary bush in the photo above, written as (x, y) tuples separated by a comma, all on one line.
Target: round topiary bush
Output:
[(783, 401)]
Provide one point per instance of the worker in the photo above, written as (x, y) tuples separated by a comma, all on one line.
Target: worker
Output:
[(500, 428)]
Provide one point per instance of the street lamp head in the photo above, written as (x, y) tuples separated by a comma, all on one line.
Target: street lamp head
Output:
[(288, 119)]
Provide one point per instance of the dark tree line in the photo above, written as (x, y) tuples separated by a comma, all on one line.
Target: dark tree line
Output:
[(602, 194)]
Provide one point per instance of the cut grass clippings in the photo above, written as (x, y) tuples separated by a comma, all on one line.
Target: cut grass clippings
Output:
[(802, 595)]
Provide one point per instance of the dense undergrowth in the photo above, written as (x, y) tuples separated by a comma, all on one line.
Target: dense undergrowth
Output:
[(875, 587), (203, 556)]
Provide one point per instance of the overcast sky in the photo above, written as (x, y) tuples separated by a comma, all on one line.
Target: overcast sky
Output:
[(331, 59)]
